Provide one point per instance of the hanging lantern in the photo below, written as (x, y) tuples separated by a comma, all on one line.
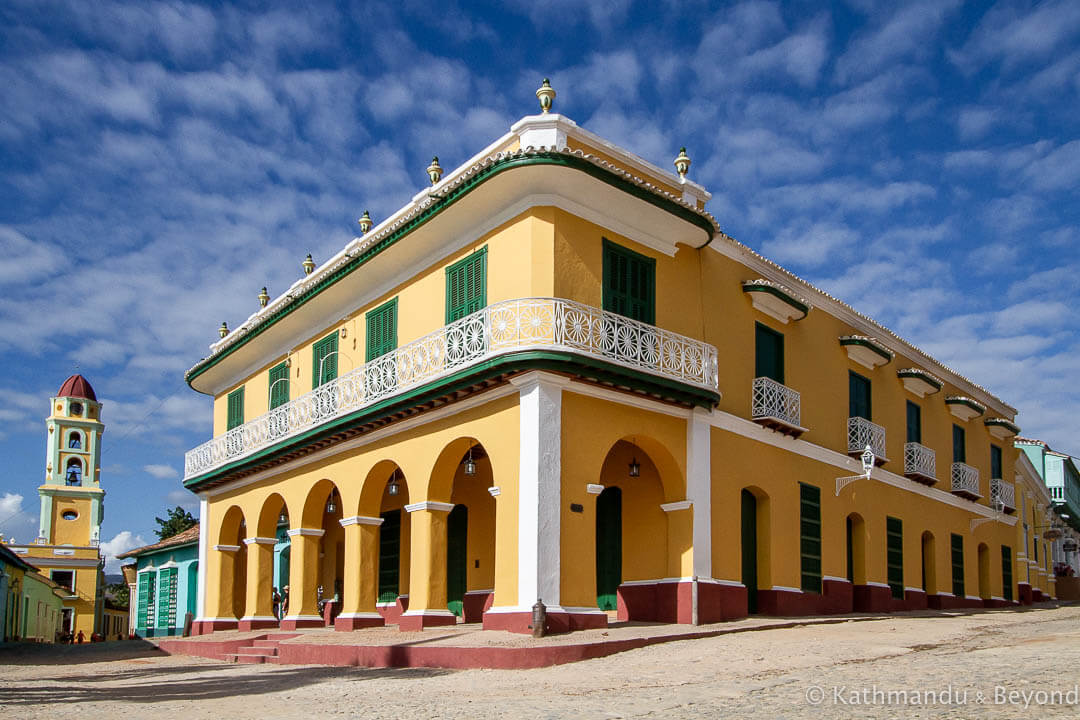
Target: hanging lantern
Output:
[(283, 518), (867, 461), (330, 507), (635, 466), (392, 487), (470, 464)]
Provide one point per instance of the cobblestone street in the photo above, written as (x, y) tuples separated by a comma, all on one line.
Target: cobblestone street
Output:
[(983, 664)]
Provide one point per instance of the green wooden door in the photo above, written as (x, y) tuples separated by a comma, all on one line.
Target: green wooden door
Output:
[(1006, 573), (894, 555), (457, 537), (959, 445), (608, 547), (145, 579), (749, 549), (381, 330), (958, 565), (324, 360), (768, 353), (235, 416), (466, 286), (810, 537), (279, 385), (629, 283), (389, 556), (850, 545), (914, 423), (858, 396)]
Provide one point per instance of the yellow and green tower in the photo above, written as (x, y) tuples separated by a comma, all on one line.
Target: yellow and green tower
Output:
[(72, 506)]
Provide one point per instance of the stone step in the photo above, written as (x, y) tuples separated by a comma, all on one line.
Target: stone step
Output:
[(244, 659), (265, 652), (268, 644)]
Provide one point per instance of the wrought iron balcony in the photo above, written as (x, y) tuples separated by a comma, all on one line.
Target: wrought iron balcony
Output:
[(776, 406), (1003, 495), (860, 433), (499, 329), (965, 481), (920, 463)]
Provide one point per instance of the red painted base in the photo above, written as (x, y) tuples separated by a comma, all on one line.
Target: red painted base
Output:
[(1026, 594), (872, 599), (287, 624), (521, 622), (673, 602), (248, 625), (948, 602), (717, 602), (1038, 595), (205, 627), (414, 623), (837, 596), (476, 604), (392, 613), (913, 600), (348, 624), (994, 603)]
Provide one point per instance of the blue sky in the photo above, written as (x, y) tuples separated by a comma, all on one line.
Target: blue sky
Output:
[(162, 161)]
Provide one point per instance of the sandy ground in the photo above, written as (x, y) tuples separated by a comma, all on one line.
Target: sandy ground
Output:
[(775, 674)]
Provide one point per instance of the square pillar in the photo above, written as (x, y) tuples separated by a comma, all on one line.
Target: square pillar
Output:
[(259, 601), (303, 579), (361, 574), (427, 567)]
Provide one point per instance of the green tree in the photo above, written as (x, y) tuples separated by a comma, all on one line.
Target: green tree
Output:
[(119, 594), (177, 521)]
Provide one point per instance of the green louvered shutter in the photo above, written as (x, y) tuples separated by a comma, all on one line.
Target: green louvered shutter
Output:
[(858, 396), (914, 423), (768, 353), (959, 446), (810, 537), (236, 408), (466, 286), (279, 385), (958, 565), (1006, 572), (389, 555), (166, 601), (144, 599), (324, 357), (629, 283), (381, 330), (894, 529)]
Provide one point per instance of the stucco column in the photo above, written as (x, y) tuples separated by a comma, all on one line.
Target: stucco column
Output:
[(699, 489), (361, 574), (427, 567), (259, 601), (303, 579), (200, 579)]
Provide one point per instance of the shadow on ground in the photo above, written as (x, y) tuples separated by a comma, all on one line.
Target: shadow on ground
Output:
[(55, 654)]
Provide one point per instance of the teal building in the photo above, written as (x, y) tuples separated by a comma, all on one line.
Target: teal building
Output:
[(166, 584)]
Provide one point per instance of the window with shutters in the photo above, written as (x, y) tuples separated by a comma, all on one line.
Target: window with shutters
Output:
[(995, 461), (147, 596), (858, 396), (768, 353), (381, 330), (629, 283), (958, 565), (235, 409), (914, 423), (389, 556), (1006, 572), (166, 603), (894, 530), (959, 451), (810, 537), (324, 355), (279, 385), (466, 286)]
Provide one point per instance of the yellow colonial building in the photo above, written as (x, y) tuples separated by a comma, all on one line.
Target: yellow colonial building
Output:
[(72, 506), (551, 376)]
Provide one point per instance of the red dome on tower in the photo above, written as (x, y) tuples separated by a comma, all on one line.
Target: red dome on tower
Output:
[(77, 386)]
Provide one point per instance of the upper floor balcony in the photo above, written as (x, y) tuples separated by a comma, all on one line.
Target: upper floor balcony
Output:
[(862, 433), (920, 463), (965, 481), (776, 406), (1003, 495), (504, 328)]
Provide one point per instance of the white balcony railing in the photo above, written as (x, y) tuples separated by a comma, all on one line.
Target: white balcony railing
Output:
[(920, 461), (774, 403), (499, 329), (965, 480), (1002, 494), (861, 432)]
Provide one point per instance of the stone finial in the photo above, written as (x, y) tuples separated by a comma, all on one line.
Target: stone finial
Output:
[(309, 265), (546, 95), (434, 170), (223, 330), (682, 163), (365, 222), (263, 297)]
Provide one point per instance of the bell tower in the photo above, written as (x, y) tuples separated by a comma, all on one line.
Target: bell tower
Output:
[(72, 501)]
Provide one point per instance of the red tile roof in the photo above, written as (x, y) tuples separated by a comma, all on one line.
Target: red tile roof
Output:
[(77, 386), (191, 535)]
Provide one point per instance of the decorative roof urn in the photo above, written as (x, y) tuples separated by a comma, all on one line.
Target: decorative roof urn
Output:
[(546, 94), (365, 222), (682, 163), (434, 170)]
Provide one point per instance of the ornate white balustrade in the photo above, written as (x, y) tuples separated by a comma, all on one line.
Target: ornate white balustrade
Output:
[(920, 463), (965, 480), (499, 329), (860, 433), (777, 406), (1002, 494)]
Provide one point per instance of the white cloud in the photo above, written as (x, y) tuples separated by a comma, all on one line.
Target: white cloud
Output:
[(910, 31), (187, 500), (25, 261), (162, 472), (16, 523), (122, 542), (1016, 36)]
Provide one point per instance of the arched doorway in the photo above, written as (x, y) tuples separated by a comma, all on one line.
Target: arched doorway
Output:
[(608, 547), (232, 567), (749, 545), (321, 540), (457, 559), (929, 566), (261, 560), (855, 545)]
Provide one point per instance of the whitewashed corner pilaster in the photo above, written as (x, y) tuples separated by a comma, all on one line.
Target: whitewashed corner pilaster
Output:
[(699, 488), (204, 544)]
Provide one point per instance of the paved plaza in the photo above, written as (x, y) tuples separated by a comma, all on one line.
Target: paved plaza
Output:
[(980, 664)]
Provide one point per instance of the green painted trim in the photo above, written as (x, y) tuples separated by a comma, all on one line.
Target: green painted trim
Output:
[(869, 344), (1002, 422), (234, 411), (920, 375), (789, 299), (330, 341), (373, 349), (467, 266), (498, 166), (516, 362)]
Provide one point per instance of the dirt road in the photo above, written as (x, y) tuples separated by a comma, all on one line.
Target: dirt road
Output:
[(903, 667)]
